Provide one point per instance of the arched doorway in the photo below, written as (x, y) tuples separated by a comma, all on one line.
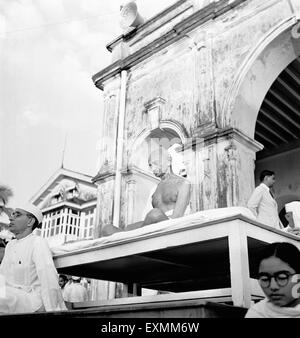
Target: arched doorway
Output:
[(268, 59), (150, 140), (263, 103), (278, 129)]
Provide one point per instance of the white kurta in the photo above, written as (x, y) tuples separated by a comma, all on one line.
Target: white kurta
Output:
[(31, 281), (75, 292), (264, 206)]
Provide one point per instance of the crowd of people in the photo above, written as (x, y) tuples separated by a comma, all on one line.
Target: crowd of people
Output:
[(31, 280)]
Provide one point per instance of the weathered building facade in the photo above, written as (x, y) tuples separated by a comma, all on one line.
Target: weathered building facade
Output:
[(219, 77)]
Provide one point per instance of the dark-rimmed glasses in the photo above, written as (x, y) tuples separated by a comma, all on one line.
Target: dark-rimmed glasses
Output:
[(281, 278)]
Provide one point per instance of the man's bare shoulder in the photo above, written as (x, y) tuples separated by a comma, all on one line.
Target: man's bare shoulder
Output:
[(183, 180), (180, 180), (174, 180)]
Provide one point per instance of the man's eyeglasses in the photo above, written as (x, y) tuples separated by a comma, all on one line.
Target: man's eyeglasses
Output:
[(16, 214), (281, 278)]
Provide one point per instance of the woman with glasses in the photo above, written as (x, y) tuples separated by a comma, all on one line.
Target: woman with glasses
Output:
[(278, 268)]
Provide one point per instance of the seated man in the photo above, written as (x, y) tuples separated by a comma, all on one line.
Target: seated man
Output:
[(170, 199), (28, 275), (172, 195)]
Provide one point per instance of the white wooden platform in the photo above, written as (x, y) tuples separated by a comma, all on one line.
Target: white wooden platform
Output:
[(211, 259)]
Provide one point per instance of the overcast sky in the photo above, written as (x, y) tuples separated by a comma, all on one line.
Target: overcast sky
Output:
[(49, 50)]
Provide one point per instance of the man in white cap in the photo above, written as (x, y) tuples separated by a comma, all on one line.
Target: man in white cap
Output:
[(76, 292), (31, 281)]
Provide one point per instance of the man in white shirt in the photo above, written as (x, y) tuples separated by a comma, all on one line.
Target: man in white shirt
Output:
[(262, 202), (75, 292), (27, 268)]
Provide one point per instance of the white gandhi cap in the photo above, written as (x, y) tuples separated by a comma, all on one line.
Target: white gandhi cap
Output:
[(32, 209), (292, 206), (75, 277)]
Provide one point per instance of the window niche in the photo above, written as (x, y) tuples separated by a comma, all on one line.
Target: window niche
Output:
[(154, 109)]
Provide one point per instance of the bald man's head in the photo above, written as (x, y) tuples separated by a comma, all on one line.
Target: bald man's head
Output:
[(159, 162)]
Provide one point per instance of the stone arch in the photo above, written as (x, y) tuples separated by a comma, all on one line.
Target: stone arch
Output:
[(140, 181), (268, 58), (169, 127)]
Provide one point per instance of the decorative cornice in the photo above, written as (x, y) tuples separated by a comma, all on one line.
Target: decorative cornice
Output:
[(233, 133), (222, 134), (157, 101), (134, 170), (238, 135), (103, 176), (205, 14)]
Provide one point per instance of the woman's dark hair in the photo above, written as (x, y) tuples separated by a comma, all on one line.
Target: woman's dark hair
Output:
[(287, 252), (265, 173)]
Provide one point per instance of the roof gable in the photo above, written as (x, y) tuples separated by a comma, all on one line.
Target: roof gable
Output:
[(62, 182)]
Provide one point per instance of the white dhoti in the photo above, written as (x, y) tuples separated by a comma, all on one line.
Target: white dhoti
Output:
[(169, 213)]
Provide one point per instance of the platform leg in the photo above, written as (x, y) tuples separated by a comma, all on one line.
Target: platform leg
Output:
[(239, 266), (131, 290)]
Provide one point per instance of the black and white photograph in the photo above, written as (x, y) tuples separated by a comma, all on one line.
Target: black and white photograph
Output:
[(149, 165)]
